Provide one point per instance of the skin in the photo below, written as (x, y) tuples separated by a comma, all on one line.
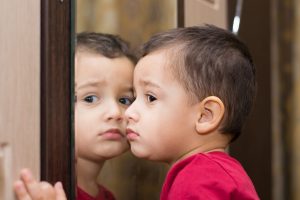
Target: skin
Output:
[(103, 88), (27, 188), (164, 123)]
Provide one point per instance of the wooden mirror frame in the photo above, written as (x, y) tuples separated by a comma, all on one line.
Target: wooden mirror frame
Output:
[(57, 55)]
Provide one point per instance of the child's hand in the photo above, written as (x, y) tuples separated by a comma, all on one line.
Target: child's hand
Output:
[(27, 188)]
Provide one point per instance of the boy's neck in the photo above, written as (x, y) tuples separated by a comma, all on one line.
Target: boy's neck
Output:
[(209, 144), (87, 173)]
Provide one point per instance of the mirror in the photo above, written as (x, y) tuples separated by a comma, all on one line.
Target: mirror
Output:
[(135, 21)]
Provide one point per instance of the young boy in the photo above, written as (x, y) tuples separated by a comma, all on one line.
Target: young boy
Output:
[(194, 88), (103, 88)]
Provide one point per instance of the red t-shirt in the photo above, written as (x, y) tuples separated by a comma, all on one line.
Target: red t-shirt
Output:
[(103, 194), (208, 176)]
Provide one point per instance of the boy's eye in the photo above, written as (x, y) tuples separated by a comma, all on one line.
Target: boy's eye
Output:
[(91, 99), (126, 101), (150, 98)]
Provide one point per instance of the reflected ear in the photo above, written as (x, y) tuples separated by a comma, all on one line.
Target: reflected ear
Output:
[(210, 114)]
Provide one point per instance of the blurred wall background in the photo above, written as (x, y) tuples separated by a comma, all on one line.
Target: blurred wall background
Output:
[(286, 98), (133, 20)]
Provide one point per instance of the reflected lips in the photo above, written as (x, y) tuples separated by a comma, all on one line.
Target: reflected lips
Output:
[(113, 134), (131, 135)]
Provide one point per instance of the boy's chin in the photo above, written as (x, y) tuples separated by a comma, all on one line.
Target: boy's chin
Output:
[(116, 153), (149, 156), (139, 153)]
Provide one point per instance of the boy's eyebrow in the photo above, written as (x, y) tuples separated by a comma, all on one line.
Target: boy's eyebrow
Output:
[(94, 82), (146, 83)]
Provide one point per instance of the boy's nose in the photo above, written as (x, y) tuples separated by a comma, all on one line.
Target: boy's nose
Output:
[(130, 113)]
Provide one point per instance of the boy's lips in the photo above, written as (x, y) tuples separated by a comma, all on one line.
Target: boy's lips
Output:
[(113, 133), (131, 135)]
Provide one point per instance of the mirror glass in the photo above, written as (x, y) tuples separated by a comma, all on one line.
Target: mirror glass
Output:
[(135, 21)]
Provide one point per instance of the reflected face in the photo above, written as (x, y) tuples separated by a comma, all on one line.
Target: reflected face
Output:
[(162, 117), (103, 93)]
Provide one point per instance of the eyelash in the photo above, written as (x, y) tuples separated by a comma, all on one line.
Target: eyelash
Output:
[(123, 100), (86, 99), (129, 100), (150, 98)]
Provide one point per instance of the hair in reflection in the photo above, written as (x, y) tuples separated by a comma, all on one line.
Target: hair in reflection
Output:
[(108, 45)]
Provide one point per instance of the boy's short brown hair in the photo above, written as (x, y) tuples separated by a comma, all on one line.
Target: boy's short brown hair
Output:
[(210, 61), (108, 45)]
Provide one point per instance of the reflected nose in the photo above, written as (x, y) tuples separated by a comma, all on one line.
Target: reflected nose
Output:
[(114, 112)]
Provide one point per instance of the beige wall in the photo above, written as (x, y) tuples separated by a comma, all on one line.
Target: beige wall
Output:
[(19, 90)]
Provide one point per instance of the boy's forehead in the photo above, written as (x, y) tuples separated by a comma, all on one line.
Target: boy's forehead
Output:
[(98, 67), (157, 58), (154, 67), (80, 53)]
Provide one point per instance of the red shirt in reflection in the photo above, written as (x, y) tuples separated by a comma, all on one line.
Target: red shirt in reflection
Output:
[(103, 194)]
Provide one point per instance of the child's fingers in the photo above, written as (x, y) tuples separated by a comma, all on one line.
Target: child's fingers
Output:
[(32, 186), (28, 179), (60, 193), (46, 192), (30, 189), (37, 190), (20, 191)]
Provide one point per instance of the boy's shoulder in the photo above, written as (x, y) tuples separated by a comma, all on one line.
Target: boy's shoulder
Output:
[(214, 174)]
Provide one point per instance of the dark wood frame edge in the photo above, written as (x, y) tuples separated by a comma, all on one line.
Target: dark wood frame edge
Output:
[(57, 141)]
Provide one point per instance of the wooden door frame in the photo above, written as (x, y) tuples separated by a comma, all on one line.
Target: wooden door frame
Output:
[(57, 57)]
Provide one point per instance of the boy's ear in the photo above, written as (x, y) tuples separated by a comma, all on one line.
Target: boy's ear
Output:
[(210, 114)]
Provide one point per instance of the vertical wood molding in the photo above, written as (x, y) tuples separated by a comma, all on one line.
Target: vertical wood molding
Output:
[(284, 96), (278, 188), (279, 167), (295, 76), (56, 93)]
